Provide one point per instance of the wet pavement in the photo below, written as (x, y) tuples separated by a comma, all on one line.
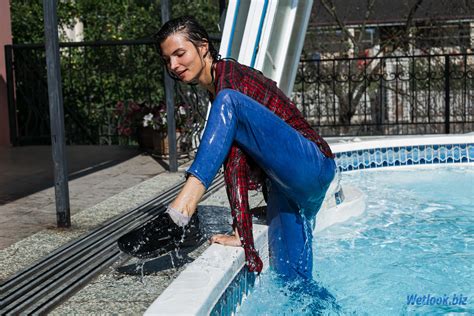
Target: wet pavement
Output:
[(27, 199)]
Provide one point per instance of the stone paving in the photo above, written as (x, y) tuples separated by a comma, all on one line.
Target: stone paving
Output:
[(27, 198), (28, 228)]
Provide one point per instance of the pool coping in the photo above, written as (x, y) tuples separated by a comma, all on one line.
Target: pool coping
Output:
[(199, 287)]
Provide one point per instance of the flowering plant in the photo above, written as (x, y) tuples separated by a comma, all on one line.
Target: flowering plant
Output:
[(133, 115)]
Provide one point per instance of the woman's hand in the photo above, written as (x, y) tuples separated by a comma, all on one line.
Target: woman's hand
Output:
[(227, 240)]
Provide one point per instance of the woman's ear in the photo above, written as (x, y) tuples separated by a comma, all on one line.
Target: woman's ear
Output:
[(204, 48)]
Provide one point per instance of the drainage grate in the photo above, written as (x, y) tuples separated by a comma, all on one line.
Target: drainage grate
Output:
[(48, 282)]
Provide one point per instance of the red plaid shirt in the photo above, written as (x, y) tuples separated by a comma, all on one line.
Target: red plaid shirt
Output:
[(240, 172)]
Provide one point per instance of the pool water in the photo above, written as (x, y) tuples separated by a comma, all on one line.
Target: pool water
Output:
[(416, 237)]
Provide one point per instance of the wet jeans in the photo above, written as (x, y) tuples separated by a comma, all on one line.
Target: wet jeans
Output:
[(298, 173)]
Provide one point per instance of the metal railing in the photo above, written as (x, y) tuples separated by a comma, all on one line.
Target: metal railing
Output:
[(388, 95), (352, 96), (96, 77)]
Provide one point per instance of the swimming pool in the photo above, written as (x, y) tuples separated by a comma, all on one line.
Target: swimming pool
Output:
[(217, 282), (415, 239)]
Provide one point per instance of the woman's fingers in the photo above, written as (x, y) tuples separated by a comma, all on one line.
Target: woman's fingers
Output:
[(226, 240)]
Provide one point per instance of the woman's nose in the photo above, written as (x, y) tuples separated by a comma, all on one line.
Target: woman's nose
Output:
[(173, 64)]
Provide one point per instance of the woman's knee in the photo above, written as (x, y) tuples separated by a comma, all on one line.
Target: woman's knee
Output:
[(227, 96)]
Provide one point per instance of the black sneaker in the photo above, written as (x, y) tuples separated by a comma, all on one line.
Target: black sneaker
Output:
[(160, 236)]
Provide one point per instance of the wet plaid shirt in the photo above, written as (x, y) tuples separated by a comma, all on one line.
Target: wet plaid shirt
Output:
[(240, 172)]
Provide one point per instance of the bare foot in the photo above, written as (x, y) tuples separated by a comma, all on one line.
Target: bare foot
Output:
[(226, 240)]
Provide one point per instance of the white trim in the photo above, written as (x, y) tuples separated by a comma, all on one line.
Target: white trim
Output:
[(198, 288), (252, 27), (266, 34), (403, 142), (228, 27), (415, 167), (296, 45)]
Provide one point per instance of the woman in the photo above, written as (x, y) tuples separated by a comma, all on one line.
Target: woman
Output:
[(259, 135)]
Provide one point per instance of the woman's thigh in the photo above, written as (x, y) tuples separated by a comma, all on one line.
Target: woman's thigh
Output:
[(287, 157)]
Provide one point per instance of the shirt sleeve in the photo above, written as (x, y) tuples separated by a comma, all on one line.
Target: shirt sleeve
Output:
[(237, 185)]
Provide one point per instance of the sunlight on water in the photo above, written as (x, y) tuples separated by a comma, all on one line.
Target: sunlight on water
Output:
[(411, 252)]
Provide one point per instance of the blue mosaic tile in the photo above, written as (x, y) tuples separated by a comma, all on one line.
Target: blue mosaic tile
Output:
[(390, 157), (443, 153), (415, 155), (366, 158), (456, 153), (401, 156), (429, 154), (231, 299), (378, 157), (470, 153)]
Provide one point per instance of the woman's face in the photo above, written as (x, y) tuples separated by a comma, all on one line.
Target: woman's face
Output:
[(182, 58)]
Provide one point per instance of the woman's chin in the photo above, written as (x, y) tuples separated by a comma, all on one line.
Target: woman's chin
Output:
[(190, 81)]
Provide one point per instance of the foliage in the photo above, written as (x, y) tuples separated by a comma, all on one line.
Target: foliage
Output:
[(132, 115), (95, 76)]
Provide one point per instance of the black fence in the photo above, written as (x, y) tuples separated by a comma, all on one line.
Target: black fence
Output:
[(98, 79), (359, 96), (388, 95)]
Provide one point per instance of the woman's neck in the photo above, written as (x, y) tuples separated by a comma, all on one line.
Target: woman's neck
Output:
[(206, 80)]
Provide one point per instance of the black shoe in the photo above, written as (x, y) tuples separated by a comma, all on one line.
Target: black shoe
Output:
[(160, 236)]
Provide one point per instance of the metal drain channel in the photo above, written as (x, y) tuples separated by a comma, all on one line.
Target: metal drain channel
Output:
[(48, 282)]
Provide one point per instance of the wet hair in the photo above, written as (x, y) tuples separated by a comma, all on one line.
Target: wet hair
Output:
[(192, 30)]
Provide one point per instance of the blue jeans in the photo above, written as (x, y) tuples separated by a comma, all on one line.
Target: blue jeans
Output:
[(298, 173)]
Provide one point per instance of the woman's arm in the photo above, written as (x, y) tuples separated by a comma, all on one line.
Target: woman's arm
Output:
[(237, 185)]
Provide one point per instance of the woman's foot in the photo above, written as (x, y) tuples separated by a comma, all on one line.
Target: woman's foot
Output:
[(227, 240)]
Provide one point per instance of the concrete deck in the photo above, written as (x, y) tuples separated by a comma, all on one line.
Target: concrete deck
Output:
[(129, 286), (27, 199)]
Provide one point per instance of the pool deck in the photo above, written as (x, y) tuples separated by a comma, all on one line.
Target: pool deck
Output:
[(104, 183)]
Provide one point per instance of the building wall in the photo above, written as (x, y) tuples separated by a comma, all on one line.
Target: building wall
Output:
[(5, 39)]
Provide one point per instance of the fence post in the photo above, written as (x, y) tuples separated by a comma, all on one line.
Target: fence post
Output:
[(56, 111), (169, 92), (11, 95), (447, 94)]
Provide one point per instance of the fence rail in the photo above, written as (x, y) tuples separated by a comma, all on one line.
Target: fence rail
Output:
[(388, 95), (96, 76), (352, 96)]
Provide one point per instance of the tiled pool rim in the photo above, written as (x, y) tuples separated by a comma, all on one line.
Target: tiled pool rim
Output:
[(350, 156)]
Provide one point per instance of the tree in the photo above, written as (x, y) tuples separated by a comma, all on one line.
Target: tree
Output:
[(357, 74), (98, 75)]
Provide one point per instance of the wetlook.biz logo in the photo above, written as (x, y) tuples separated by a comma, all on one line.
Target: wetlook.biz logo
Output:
[(415, 299)]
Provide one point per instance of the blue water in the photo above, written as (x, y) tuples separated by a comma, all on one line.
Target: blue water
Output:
[(416, 237)]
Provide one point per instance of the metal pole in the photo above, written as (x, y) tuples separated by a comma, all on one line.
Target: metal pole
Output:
[(56, 114), (447, 94), (169, 92), (11, 95)]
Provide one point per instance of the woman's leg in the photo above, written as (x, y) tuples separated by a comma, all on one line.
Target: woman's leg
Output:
[(286, 156), (289, 237)]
